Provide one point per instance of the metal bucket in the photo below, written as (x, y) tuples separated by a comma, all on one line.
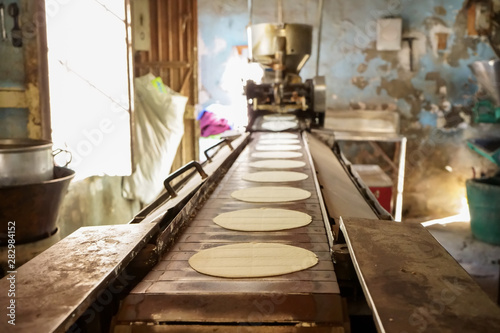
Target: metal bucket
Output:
[(25, 161), (483, 196), (33, 207)]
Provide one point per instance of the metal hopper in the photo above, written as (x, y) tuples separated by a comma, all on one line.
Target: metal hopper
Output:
[(263, 45)]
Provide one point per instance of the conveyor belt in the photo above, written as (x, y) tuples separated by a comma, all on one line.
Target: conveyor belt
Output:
[(178, 298)]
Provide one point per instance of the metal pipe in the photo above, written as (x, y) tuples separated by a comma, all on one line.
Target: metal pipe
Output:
[(280, 12), (401, 181), (250, 9), (130, 83), (320, 25), (2, 18)]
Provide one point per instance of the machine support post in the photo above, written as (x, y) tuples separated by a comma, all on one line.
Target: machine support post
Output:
[(320, 25), (280, 12), (250, 9)]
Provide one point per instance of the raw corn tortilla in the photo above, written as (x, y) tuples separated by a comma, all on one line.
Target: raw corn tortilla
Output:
[(252, 260), (273, 136), (279, 142), (277, 147), (277, 117), (262, 219), (274, 176), (277, 164), (271, 194), (277, 126), (276, 154)]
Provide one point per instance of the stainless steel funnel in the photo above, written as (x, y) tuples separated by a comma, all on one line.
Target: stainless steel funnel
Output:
[(262, 44), (488, 75)]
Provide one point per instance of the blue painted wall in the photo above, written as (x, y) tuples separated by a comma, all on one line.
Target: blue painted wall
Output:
[(13, 123)]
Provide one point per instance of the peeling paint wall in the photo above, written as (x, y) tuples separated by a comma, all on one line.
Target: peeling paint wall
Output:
[(434, 98), (438, 76)]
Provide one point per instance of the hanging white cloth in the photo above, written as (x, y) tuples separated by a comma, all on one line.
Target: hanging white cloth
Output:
[(159, 127)]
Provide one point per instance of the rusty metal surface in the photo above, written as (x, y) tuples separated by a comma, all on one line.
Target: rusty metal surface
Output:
[(225, 329), (224, 308), (412, 283), (341, 196), (173, 292), (56, 287)]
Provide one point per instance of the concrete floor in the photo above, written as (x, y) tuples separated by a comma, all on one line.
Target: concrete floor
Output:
[(479, 259)]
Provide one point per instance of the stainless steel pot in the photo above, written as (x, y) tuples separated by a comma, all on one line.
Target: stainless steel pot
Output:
[(25, 161)]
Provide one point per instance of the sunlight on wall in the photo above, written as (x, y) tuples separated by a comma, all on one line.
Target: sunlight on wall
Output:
[(462, 216), (236, 73)]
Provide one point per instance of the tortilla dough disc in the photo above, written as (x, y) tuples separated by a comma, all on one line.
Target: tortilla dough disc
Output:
[(278, 147), (262, 219), (252, 260), (273, 136), (278, 117), (276, 154), (271, 194), (277, 126), (277, 164), (279, 142), (274, 176)]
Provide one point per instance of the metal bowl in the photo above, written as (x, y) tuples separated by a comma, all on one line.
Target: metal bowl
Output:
[(33, 207)]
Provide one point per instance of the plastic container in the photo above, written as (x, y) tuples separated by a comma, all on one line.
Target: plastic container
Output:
[(483, 195)]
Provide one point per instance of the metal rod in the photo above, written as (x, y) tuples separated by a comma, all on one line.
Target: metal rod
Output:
[(2, 18), (250, 9), (130, 83), (180, 171), (280, 11), (320, 25), (401, 180)]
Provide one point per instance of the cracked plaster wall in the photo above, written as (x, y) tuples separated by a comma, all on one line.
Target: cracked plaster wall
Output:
[(434, 99)]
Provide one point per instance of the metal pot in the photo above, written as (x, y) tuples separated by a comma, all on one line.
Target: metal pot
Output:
[(34, 207), (25, 161)]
